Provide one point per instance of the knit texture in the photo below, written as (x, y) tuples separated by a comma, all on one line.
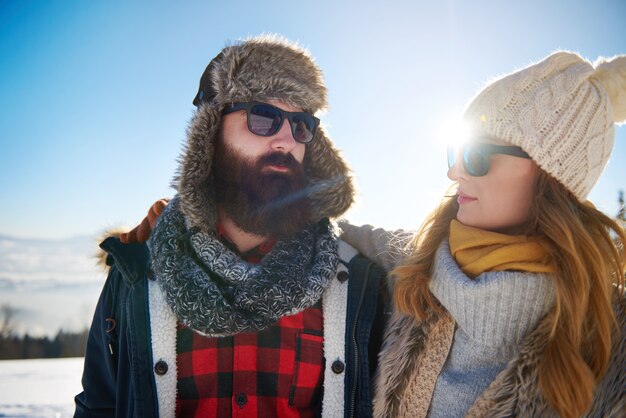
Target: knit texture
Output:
[(418, 394), (214, 292), (402, 387), (493, 313), (560, 112)]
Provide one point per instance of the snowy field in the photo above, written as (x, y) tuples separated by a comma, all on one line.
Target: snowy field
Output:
[(42, 388)]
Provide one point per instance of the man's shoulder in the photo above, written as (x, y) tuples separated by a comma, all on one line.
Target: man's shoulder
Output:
[(131, 260), (356, 262), (346, 251)]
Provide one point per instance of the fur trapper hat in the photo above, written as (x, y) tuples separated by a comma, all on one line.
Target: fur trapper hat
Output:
[(260, 69), (561, 111)]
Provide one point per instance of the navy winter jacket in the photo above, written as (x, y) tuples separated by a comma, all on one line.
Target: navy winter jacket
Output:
[(119, 377)]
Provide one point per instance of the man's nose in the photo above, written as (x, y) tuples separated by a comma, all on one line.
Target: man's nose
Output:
[(283, 139)]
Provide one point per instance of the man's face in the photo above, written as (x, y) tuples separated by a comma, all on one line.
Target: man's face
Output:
[(248, 145), (259, 181)]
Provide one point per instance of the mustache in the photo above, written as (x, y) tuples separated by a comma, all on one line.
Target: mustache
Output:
[(280, 159)]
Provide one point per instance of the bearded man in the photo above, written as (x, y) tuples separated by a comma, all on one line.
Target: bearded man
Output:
[(236, 298)]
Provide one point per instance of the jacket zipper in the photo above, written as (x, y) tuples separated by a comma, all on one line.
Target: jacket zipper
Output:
[(356, 346)]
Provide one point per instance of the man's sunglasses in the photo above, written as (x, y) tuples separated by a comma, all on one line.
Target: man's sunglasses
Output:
[(265, 120), (476, 156)]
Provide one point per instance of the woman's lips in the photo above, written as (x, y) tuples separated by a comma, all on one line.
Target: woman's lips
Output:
[(463, 198)]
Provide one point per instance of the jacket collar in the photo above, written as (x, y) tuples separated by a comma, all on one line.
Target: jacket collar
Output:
[(132, 260)]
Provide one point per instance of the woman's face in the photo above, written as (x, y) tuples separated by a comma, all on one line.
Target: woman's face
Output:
[(500, 200)]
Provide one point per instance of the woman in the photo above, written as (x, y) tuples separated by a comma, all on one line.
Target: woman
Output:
[(511, 299)]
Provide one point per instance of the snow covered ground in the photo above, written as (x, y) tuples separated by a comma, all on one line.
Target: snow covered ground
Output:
[(42, 388)]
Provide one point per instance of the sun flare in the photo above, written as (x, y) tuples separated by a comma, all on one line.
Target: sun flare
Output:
[(454, 132)]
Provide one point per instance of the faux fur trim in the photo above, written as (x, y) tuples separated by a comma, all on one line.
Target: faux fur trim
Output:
[(260, 69), (268, 67), (419, 392), (334, 304), (401, 354), (102, 255), (163, 340)]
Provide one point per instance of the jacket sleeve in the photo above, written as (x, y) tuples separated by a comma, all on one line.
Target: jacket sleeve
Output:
[(386, 248), (99, 376)]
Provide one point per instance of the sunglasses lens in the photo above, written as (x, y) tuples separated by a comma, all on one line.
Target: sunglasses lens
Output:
[(476, 163), (303, 127), (264, 120), (452, 152)]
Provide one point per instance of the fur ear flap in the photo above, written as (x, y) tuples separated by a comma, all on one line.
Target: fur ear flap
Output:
[(198, 200), (330, 178)]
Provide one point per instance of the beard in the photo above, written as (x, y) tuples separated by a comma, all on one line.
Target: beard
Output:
[(266, 203)]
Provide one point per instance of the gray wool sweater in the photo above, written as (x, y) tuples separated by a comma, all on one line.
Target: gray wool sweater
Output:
[(492, 312)]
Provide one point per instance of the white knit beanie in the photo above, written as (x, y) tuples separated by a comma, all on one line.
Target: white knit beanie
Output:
[(561, 111)]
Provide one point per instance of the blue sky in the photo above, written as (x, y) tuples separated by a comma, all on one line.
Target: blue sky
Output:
[(95, 97)]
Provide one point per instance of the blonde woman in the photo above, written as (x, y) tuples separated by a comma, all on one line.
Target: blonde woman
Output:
[(510, 301)]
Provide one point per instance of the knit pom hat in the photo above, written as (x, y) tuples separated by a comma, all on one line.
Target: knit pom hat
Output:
[(561, 111), (260, 69)]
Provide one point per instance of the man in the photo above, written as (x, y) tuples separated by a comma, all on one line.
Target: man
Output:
[(243, 302)]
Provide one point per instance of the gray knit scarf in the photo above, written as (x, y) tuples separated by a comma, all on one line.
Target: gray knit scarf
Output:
[(214, 292)]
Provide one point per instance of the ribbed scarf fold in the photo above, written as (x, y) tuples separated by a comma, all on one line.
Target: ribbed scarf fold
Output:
[(477, 251), (214, 292)]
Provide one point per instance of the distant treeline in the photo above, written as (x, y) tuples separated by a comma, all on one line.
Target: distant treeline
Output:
[(64, 344)]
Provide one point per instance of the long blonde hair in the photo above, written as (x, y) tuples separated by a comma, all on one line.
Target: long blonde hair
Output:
[(588, 264)]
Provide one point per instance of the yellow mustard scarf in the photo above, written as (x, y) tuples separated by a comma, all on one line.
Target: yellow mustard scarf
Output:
[(477, 251)]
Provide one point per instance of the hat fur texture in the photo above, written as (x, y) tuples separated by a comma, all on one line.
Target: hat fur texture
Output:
[(260, 69), (561, 111)]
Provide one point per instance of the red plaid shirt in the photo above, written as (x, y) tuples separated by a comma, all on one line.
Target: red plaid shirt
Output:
[(275, 372)]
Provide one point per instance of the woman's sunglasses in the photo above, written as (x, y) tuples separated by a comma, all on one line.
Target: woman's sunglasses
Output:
[(265, 120), (476, 156)]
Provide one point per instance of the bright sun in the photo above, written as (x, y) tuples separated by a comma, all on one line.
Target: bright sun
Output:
[(453, 132)]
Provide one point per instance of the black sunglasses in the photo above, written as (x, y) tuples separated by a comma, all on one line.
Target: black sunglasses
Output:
[(476, 156), (265, 120)]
